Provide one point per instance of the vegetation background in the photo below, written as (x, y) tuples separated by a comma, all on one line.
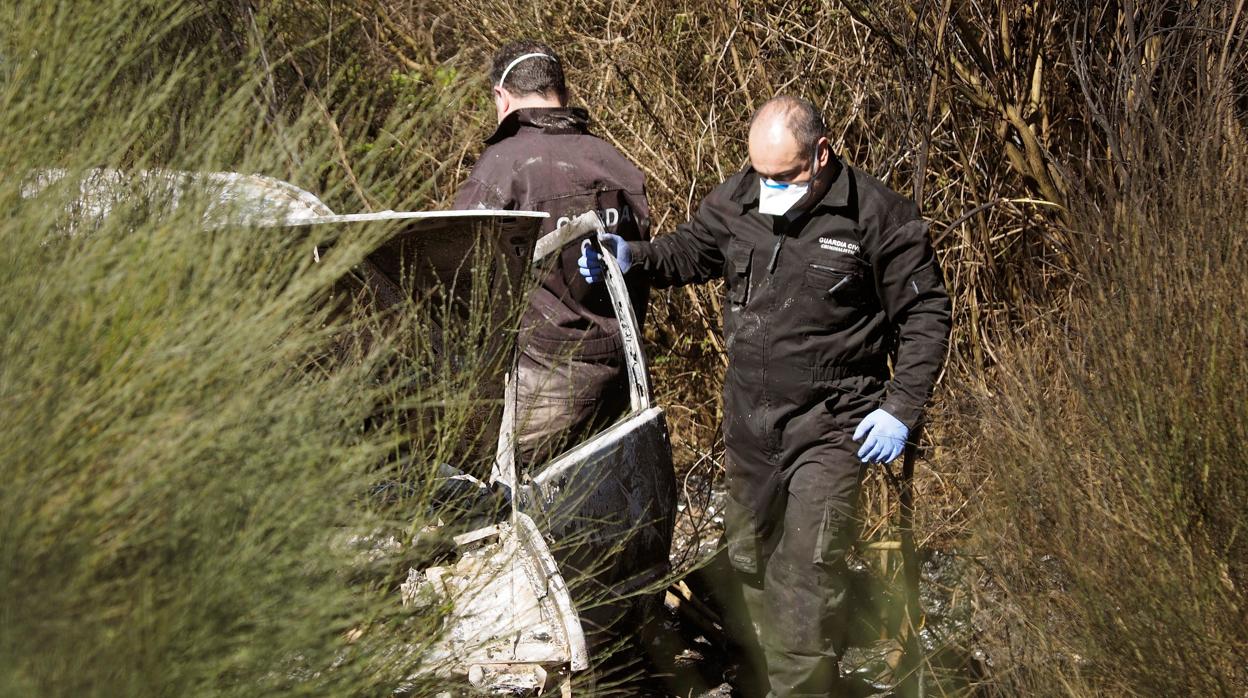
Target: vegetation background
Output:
[(1083, 165)]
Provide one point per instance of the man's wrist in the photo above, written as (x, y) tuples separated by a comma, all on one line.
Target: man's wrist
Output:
[(907, 414), (638, 253)]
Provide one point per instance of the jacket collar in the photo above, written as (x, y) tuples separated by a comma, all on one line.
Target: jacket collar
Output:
[(548, 120), (837, 195)]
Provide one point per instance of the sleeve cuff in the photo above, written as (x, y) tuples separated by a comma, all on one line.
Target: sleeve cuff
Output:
[(905, 413), (639, 254)]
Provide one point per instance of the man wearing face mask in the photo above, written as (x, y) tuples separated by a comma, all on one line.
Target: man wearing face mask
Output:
[(542, 157), (828, 274)]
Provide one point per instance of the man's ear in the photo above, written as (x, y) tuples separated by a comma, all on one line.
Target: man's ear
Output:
[(502, 101), (824, 148)]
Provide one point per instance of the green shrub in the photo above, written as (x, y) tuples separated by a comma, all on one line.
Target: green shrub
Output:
[(179, 461)]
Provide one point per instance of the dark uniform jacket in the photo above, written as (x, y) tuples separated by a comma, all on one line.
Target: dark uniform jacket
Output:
[(813, 308), (547, 160)]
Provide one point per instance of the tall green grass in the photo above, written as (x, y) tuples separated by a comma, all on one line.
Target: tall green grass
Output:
[(179, 459)]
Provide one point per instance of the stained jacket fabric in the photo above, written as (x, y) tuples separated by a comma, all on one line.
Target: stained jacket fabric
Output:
[(812, 305), (546, 159)]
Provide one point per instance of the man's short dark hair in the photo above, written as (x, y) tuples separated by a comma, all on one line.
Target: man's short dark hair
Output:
[(535, 75), (802, 117)]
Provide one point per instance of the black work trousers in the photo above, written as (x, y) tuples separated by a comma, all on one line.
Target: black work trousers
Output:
[(793, 572)]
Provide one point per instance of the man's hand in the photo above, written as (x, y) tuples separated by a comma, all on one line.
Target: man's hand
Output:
[(886, 437), (590, 263)]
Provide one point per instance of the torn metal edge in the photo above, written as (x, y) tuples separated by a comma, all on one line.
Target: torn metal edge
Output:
[(528, 536), (634, 355), (410, 215)]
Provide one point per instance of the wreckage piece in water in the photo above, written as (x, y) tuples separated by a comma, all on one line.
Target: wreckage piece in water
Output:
[(608, 504)]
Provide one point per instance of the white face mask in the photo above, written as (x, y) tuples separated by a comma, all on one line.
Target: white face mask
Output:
[(776, 198)]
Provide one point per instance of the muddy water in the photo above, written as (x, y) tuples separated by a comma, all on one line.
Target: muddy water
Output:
[(941, 660), (944, 657)]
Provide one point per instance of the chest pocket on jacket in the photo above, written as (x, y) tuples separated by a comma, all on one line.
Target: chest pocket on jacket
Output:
[(837, 290), (737, 272)]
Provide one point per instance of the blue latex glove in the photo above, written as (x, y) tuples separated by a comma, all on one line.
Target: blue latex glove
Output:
[(591, 264), (886, 437)]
